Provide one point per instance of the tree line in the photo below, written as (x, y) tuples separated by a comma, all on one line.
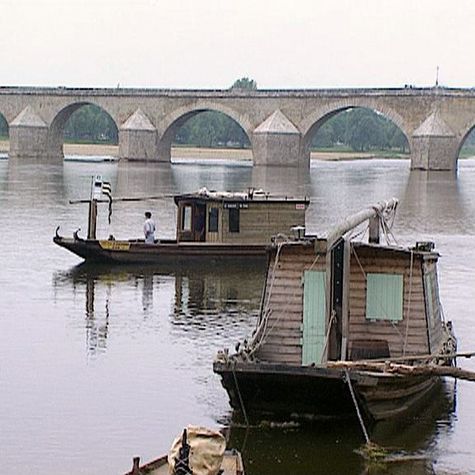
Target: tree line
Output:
[(360, 130), (356, 129)]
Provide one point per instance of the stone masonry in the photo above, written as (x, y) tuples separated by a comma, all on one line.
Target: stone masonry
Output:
[(280, 124)]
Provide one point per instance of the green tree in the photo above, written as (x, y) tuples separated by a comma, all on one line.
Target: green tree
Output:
[(361, 134), (244, 83), (398, 140), (90, 123), (212, 129), (361, 129)]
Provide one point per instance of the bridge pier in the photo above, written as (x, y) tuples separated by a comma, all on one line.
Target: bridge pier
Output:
[(29, 136), (277, 142), (138, 138), (434, 145)]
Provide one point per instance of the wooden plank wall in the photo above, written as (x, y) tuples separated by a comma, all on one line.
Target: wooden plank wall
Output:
[(261, 221), (413, 302), (282, 343), (434, 321)]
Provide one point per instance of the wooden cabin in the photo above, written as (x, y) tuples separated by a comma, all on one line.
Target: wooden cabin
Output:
[(236, 218), (383, 302)]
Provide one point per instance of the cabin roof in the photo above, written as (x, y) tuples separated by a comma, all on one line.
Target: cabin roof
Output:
[(255, 196), (420, 248), (417, 250)]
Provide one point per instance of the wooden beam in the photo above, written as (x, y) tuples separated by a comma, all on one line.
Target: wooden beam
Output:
[(406, 370)]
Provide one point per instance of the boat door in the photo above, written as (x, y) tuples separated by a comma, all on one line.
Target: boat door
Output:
[(313, 341), (199, 222), (191, 222)]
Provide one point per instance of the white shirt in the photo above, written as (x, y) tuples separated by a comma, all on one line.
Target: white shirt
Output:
[(149, 231)]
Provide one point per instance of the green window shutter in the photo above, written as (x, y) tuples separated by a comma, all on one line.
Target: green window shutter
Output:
[(313, 317), (384, 296)]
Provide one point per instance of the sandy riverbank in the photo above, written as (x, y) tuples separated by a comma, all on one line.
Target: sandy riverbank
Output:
[(99, 150)]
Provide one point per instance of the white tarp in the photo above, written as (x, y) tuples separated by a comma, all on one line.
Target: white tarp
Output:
[(206, 450)]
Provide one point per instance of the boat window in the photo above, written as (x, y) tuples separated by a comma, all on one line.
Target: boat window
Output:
[(213, 215), (186, 218), (233, 220), (384, 296)]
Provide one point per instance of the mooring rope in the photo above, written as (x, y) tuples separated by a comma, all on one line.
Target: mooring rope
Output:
[(241, 402), (355, 403)]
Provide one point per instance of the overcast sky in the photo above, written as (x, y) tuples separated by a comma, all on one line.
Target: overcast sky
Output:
[(210, 43)]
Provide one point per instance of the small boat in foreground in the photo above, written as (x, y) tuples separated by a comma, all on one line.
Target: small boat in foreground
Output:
[(198, 451), (231, 465), (210, 225), (345, 327)]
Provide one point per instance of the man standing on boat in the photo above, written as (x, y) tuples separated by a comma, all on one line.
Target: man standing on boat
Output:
[(149, 228)]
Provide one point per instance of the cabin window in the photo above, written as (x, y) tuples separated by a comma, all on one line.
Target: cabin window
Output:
[(213, 215), (233, 220), (384, 296), (186, 218)]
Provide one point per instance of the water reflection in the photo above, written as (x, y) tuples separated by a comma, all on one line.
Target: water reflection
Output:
[(281, 180), (143, 178), (437, 197), (207, 298), (96, 326), (24, 181), (409, 442)]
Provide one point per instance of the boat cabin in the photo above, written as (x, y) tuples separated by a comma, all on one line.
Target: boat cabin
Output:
[(236, 218), (335, 298), (355, 301)]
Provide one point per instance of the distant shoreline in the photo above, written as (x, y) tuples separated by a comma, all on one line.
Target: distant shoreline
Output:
[(100, 150)]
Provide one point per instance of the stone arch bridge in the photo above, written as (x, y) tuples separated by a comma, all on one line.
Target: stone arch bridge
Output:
[(280, 124)]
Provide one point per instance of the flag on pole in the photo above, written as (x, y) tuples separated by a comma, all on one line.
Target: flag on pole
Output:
[(107, 190)]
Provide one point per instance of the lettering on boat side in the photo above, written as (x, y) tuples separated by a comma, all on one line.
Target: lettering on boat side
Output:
[(236, 205), (114, 245)]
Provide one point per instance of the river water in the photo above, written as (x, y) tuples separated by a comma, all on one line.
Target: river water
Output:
[(98, 364)]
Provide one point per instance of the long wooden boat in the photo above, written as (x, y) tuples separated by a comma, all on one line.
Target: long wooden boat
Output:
[(346, 326), (210, 225)]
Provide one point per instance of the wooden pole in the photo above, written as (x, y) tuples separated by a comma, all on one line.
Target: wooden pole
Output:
[(406, 370), (92, 219), (138, 198), (423, 357), (354, 220), (374, 229)]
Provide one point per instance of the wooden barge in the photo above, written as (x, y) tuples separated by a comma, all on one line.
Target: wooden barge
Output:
[(344, 324), (210, 225)]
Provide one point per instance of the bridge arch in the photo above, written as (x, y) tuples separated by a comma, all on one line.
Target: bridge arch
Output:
[(467, 135), (58, 125), (170, 125), (314, 121)]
